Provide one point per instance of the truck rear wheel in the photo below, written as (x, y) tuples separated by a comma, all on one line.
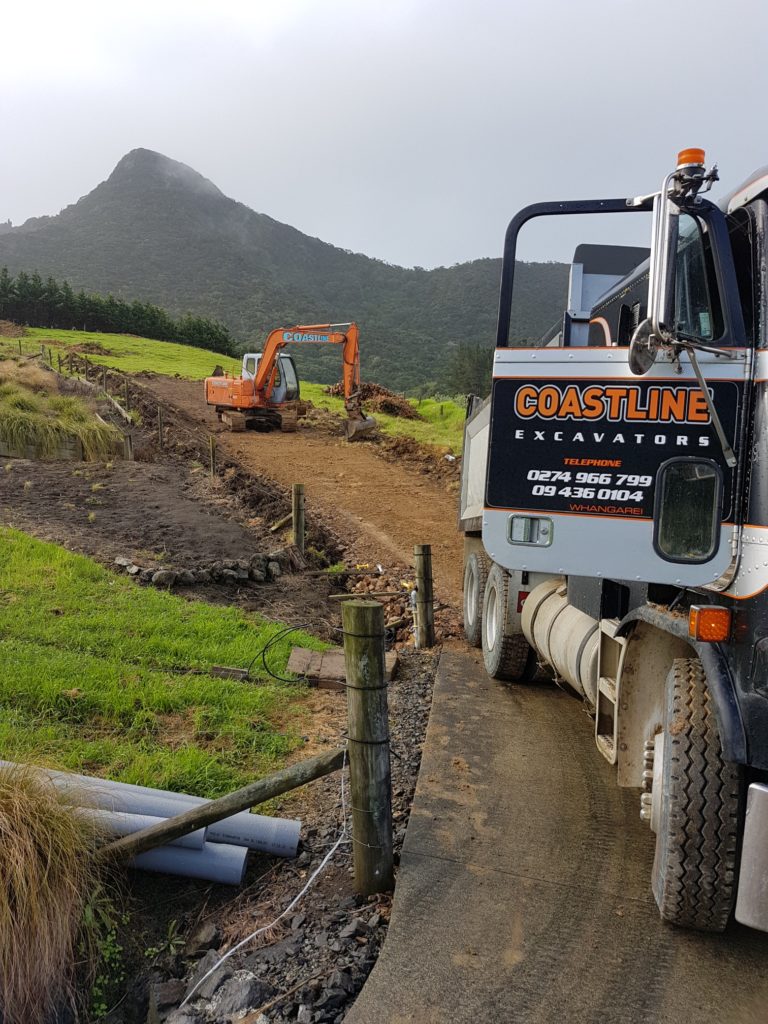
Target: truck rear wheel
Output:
[(475, 575), (506, 654), (699, 808)]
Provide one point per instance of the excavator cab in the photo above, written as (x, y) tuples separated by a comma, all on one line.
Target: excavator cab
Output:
[(287, 387)]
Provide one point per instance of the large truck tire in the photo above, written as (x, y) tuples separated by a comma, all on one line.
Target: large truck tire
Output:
[(475, 576), (700, 808), (506, 654)]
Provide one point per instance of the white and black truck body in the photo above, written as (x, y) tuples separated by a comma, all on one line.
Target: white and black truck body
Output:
[(614, 503)]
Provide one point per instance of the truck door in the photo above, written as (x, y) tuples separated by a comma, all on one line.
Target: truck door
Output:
[(595, 471)]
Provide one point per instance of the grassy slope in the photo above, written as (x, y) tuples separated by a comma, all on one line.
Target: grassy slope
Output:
[(94, 677), (443, 421)]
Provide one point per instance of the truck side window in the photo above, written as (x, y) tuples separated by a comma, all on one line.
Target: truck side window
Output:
[(688, 509), (697, 309), (250, 366)]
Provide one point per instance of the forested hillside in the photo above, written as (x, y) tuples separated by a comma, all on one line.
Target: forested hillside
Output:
[(28, 299), (156, 231)]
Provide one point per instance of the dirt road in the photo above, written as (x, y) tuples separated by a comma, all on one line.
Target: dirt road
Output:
[(381, 510)]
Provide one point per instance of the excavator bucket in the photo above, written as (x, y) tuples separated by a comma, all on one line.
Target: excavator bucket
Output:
[(357, 426)]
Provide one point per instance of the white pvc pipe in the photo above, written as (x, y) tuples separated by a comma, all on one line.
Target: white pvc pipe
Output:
[(216, 862), (119, 823), (276, 836)]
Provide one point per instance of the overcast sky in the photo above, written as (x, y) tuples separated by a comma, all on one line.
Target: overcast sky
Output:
[(410, 130)]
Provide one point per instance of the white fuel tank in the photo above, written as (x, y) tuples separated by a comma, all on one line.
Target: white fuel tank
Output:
[(564, 637)]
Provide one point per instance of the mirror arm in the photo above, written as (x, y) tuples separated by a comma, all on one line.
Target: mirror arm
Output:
[(730, 458)]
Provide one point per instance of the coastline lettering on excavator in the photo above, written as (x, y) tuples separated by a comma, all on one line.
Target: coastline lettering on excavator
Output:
[(267, 394), (614, 504)]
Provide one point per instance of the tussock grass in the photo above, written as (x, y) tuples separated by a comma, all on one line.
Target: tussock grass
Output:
[(48, 874), (33, 415)]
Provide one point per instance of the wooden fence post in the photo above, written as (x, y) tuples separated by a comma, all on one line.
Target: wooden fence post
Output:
[(297, 509), (424, 617), (50, 357), (160, 425), (69, 361), (126, 397), (369, 767), (19, 346), (128, 447), (59, 357), (212, 453), (85, 360)]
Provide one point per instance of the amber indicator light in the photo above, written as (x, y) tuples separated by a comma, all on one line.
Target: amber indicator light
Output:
[(709, 623), (690, 156)]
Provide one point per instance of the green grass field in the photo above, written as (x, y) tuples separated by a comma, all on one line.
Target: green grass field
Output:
[(125, 352), (443, 423), (95, 677)]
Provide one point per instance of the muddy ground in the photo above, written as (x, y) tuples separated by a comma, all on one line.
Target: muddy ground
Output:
[(380, 497)]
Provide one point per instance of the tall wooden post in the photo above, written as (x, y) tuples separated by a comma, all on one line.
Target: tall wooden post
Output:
[(212, 453), (298, 516), (369, 767), (59, 357), (126, 397), (129, 447), (50, 357), (69, 363), (19, 346), (425, 602), (160, 425)]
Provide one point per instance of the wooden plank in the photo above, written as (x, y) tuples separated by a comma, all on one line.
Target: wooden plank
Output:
[(326, 669)]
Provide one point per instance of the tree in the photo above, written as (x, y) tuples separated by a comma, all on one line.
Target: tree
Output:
[(469, 371)]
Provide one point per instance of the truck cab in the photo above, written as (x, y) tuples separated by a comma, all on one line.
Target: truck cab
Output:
[(615, 511)]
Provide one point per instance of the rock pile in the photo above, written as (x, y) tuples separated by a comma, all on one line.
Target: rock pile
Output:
[(259, 568)]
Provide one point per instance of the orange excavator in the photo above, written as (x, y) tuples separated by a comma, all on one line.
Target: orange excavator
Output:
[(267, 393)]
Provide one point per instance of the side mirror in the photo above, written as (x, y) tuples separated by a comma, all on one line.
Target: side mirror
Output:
[(651, 333), (643, 348)]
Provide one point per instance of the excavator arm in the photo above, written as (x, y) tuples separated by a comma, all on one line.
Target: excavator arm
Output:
[(347, 335)]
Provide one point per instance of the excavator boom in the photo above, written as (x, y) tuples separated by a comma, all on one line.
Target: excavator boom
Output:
[(347, 335)]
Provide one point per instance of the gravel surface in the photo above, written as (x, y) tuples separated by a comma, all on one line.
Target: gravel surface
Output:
[(311, 966)]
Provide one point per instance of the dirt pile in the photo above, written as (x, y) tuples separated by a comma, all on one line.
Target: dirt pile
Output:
[(428, 460), (380, 399), (8, 329)]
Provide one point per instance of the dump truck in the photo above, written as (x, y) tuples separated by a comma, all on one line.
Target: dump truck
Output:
[(614, 505), (267, 396)]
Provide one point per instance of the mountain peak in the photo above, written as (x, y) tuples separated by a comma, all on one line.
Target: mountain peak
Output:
[(142, 167)]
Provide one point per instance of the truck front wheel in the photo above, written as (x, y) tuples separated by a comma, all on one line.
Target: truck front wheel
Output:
[(475, 576), (506, 653), (698, 810)]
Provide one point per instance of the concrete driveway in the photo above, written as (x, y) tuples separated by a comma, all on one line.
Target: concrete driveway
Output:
[(523, 893)]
